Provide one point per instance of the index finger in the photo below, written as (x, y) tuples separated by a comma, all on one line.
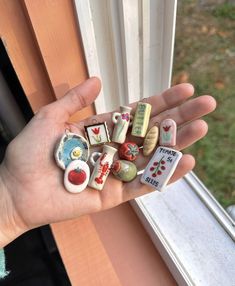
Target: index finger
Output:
[(170, 98)]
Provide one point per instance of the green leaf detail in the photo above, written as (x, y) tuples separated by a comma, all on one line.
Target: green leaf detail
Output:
[(133, 150), (167, 136)]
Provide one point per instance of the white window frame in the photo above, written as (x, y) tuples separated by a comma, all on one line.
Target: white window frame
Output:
[(129, 45)]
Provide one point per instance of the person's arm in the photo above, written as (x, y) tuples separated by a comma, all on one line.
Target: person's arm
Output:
[(3, 272), (5, 228), (9, 227)]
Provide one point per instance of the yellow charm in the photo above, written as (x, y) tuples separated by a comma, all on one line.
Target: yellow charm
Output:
[(141, 119), (150, 141)]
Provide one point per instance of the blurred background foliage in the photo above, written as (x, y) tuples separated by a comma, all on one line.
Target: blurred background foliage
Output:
[(205, 56)]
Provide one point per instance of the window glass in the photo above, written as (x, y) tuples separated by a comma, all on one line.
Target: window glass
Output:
[(205, 56)]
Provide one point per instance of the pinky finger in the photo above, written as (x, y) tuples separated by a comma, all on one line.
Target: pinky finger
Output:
[(186, 164)]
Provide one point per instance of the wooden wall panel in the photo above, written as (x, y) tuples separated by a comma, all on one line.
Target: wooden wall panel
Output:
[(17, 36), (133, 255), (59, 44), (110, 248), (84, 254)]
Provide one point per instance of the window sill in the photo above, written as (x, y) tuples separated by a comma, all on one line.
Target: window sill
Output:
[(191, 231)]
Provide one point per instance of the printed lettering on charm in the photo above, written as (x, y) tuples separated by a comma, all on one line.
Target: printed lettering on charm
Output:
[(71, 147), (97, 133), (141, 119), (102, 167), (168, 130), (161, 167), (122, 121)]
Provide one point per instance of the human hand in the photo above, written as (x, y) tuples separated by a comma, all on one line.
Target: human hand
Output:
[(31, 184)]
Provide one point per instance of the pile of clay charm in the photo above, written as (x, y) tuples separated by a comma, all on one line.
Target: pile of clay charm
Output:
[(73, 151)]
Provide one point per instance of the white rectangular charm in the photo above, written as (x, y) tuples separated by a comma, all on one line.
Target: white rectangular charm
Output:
[(161, 167)]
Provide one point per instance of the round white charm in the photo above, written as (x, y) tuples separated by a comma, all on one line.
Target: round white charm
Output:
[(71, 147), (76, 176)]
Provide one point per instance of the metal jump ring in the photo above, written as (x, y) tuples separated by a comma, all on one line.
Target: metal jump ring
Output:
[(94, 121), (67, 131), (157, 123), (144, 99)]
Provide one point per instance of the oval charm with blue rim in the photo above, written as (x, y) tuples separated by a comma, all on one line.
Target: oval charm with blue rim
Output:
[(71, 147)]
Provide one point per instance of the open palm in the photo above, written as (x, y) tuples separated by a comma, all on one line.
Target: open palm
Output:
[(34, 183)]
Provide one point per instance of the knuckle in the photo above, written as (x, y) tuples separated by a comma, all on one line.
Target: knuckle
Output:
[(77, 99)]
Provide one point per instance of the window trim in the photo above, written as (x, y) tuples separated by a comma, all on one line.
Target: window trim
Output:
[(134, 64), (185, 253), (210, 201)]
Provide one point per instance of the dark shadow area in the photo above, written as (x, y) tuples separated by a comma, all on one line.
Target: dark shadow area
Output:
[(33, 258)]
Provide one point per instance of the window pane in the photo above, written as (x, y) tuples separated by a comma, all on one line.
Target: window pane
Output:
[(205, 56)]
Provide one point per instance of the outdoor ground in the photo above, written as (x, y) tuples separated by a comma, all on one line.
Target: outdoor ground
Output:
[(205, 56)]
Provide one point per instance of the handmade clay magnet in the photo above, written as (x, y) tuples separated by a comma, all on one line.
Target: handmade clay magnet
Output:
[(150, 141), (141, 119), (76, 176), (168, 131), (161, 167), (128, 151), (71, 147), (122, 121), (102, 167), (97, 133), (124, 170)]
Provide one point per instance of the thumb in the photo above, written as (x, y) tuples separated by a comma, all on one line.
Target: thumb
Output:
[(76, 99)]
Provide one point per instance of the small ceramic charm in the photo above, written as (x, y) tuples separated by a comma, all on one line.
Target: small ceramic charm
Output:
[(122, 121), (76, 176), (101, 167), (141, 119), (150, 141), (128, 151), (124, 170), (168, 130), (97, 133), (71, 147), (161, 167)]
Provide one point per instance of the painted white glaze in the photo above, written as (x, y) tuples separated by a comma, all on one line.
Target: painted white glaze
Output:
[(161, 167), (101, 167), (122, 121), (168, 131), (77, 168), (97, 134)]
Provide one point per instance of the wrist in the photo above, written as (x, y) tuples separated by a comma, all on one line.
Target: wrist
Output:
[(10, 228)]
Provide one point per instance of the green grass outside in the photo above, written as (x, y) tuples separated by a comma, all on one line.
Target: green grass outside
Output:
[(205, 56)]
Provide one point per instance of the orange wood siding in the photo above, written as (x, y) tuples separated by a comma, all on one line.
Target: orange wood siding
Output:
[(17, 36), (84, 254), (109, 248), (133, 255), (56, 32)]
